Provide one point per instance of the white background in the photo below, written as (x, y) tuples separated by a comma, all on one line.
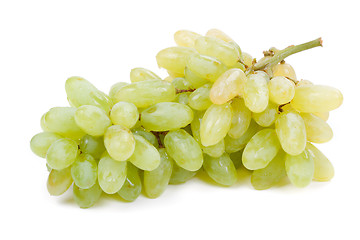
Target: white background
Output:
[(42, 43)]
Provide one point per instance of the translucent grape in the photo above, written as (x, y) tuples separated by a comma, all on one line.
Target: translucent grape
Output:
[(59, 181), (175, 75), (119, 142), (146, 93), (185, 38), (111, 174), (193, 79), (132, 186), (166, 116), (142, 74), (323, 115), (241, 118), (285, 70), (92, 120), (43, 124), (236, 158), (124, 114), (216, 33), (323, 169), (281, 90), (261, 149), (147, 135), (86, 198), (248, 59), (183, 98), (92, 145), (115, 88), (221, 170), (183, 148), (174, 58), (41, 142), (156, 181), (200, 98), (317, 130), (146, 156), (84, 171), (300, 168), (62, 154), (290, 129), (268, 116), (316, 98), (228, 86), (215, 124), (238, 49), (303, 82), (215, 150), (180, 175), (256, 92), (236, 144)]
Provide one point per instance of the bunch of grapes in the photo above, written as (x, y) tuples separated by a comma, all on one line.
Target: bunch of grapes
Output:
[(218, 110)]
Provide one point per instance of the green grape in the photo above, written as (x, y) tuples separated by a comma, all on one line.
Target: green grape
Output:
[(284, 69), (92, 120), (261, 149), (146, 93), (323, 169), (132, 186), (41, 142), (268, 116), (115, 88), (215, 124), (185, 38), (239, 65), (200, 98), (81, 92), (216, 33), (124, 114), (174, 75), (316, 98), (290, 129), (300, 168), (119, 142), (111, 174), (147, 135), (86, 198), (215, 150), (166, 116), (193, 79), (181, 83), (205, 67), (214, 47), (317, 130), (146, 156), (156, 181), (236, 144), (92, 145), (182, 98), (84, 171), (184, 149), (256, 92), (61, 120), (248, 59), (241, 118), (281, 90), (221, 170), (236, 158), (195, 125), (174, 58), (43, 124), (272, 174), (229, 85), (238, 49), (180, 175), (62, 153), (59, 181), (142, 74)]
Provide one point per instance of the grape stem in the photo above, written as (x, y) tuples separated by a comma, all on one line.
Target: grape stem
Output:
[(183, 90)]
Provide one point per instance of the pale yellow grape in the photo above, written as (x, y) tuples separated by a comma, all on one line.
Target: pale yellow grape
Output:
[(181, 83), (84, 171), (59, 181), (183, 98), (86, 198), (323, 169), (174, 58), (216, 33), (303, 82), (186, 38), (239, 65), (215, 124), (92, 145), (267, 117), (214, 47), (323, 115), (236, 144), (92, 120), (132, 186), (41, 142), (166, 116), (193, 79), (142, 74), (61, 120), (200, 98), (221, 169), (146, 93), (281, 90), (147, 135), (248, 59), (119, 142), (114, 88), (146, 156), (291, 131), (263, 74), (256, 92), (175, 74), (261, 149), (183, 148), (300, 168), (168, 79), (124, 114), (215, 150), (62, 153), (156, 181), (228, 86), (238, 49), (205, 67), (180, 175), (317, 130), (81, 92), (285, 70), (241, 118), (43, 123), (111, 174), (316, 98)]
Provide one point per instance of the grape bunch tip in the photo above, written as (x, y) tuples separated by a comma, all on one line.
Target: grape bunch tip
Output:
[(218, 110)]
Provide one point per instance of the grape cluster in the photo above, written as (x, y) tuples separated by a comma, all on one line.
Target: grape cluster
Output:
[(218, 110)]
